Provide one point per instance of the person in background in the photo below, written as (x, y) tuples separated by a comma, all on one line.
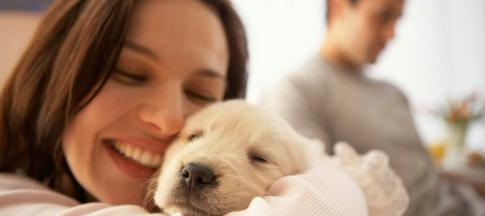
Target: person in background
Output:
[(331, 98), (97, 73)]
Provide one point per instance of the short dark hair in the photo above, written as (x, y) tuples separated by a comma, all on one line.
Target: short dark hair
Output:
[(327, 8)]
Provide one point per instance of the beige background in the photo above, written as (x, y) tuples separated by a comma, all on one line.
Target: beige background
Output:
[(16, 29)]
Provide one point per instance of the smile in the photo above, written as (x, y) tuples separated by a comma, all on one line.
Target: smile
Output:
[(136, 154)]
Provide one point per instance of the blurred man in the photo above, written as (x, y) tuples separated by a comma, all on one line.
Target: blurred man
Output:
[(331, 99)]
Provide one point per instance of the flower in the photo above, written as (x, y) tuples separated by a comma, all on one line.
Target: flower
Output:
[(463, 111), (457, 114)]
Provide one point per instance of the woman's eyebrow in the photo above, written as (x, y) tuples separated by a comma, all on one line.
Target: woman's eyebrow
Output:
[(210, 74), (150, 53), (142, 49)]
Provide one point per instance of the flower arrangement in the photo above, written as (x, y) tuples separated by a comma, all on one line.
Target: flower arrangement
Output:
[(458, 115), (462, 112)]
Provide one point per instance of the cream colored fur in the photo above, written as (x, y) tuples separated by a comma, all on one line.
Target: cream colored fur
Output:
[(226, 136)]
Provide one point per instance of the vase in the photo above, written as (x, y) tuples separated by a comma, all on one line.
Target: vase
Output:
[(455, 150)]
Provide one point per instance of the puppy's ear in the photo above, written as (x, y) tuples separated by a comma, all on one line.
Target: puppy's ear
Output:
[(306, 152), (314, 151)]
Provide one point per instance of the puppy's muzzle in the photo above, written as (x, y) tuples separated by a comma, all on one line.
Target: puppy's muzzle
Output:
[(197, 176)]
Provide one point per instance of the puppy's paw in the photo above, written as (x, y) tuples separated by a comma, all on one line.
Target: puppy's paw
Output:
[(382, 188)]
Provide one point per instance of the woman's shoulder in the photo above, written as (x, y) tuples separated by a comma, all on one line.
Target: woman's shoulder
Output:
[(10, 181), (18, 192), (21, 195)]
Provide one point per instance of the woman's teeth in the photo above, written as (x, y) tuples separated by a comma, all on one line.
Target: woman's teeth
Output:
[(141, 156)]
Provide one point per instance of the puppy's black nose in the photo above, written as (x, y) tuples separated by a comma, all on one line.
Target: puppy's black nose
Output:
[(197, 176)]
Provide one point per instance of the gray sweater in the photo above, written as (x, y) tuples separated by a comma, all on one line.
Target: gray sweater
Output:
[(326, 102)]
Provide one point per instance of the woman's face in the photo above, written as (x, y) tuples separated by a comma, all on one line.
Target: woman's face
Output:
[(173, 63)]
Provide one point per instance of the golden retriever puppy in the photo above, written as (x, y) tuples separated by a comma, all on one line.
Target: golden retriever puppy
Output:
[(231, 152), (226, 155)]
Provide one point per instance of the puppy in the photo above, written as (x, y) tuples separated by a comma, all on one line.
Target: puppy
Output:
[(226, 155), (231, 152)]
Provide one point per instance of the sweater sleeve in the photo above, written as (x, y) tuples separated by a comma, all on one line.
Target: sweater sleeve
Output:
[(22, 196), (322, 190)]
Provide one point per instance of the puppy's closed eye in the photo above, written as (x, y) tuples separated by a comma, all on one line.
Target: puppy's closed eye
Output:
[(195, 135), (258, 158)]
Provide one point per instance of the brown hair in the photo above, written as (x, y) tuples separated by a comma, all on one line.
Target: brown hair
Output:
[(69, 59)]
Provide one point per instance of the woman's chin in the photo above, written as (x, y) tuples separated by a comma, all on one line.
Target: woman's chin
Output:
[(120, 198), (118, 188)]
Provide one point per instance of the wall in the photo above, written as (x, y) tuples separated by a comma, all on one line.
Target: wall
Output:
[(16, 29)]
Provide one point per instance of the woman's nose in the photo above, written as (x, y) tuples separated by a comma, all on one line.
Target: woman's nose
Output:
[(164, 115)]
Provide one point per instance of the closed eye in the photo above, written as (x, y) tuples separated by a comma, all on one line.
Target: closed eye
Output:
[(195, 135), (200, 98), (257, 158), (128, 77)]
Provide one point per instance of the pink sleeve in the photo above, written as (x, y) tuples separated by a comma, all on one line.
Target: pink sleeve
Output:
[(22, 196), (322, 191)]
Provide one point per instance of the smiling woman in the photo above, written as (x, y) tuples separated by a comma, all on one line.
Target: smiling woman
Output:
[(99, 75)]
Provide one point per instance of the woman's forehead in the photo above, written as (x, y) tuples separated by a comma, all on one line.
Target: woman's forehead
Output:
[(180, 30)]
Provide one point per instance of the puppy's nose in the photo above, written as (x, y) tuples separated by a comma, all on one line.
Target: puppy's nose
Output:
[(197, 176)]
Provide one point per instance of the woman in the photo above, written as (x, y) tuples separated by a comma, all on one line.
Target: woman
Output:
[(121, 71)]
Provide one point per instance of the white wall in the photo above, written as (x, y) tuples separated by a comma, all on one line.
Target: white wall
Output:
[(281, 34)]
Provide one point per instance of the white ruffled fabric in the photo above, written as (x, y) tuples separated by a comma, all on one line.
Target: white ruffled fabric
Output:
[(383, 189)]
